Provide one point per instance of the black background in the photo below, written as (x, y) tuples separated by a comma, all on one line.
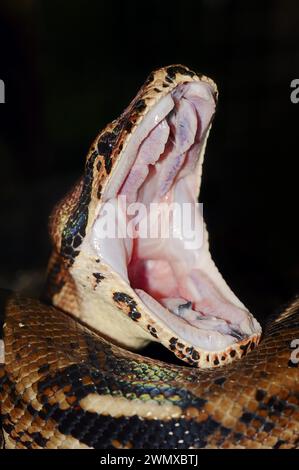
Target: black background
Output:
[(70, 67)]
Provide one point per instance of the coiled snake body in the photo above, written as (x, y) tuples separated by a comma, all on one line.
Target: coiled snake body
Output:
[(64, 386)]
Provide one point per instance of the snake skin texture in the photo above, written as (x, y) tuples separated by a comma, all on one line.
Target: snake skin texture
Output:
[(83, 281), (63, 386)]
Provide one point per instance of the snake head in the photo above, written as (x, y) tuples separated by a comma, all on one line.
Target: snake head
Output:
[(107, 266)]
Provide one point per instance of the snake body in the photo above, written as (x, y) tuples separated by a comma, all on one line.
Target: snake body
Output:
[(63, 386), (66, 380)]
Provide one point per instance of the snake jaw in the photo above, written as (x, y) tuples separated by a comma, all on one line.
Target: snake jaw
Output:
[(157, 158)]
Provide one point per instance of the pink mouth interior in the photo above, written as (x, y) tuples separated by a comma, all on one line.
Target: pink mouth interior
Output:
[(182, 287)]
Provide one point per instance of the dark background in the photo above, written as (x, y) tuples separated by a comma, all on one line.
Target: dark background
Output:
[(70, 67)]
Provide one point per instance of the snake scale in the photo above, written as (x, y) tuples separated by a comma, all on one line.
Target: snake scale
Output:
[(70, 375)]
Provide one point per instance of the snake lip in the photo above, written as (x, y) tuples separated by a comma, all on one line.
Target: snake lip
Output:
[(178, 289)]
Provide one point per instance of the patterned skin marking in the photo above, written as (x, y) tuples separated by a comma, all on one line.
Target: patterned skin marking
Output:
[(260, 395), (244, 348), (195, 355), (105, 147), (174, 69), (56, 278), (75, 229), (220, 381), (242, 411), (172, 343), (152, 331), (123, 299), (73, 219)]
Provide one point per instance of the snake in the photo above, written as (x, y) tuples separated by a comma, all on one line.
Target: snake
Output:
[(72, 373)]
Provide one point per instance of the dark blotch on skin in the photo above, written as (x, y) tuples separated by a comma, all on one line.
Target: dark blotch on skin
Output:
[(98, 277), (39, 439), (108, 164), (278, 444), (99, 192), (263, 374), (4, 297), (224, 431), (106, 145), (238, 436), (150, 78), (96, 430), (44, 368), (244, 348), (122, 298), (55, 282), (268, 426), (246, 417), (292, 364), (76, 224), (195, 356), (140, 105), (174, 69), (108, 141), (128, 126)]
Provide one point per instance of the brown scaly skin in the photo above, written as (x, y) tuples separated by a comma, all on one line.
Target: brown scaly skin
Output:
[(80, 283), (62, 386)]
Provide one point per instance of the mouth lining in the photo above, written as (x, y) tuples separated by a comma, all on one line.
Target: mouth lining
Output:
[(162, 163)]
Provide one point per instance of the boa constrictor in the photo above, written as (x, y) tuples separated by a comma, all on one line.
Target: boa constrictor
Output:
[(70, 376)]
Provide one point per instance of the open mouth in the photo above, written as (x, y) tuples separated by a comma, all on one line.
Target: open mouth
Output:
[(179, 285)]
